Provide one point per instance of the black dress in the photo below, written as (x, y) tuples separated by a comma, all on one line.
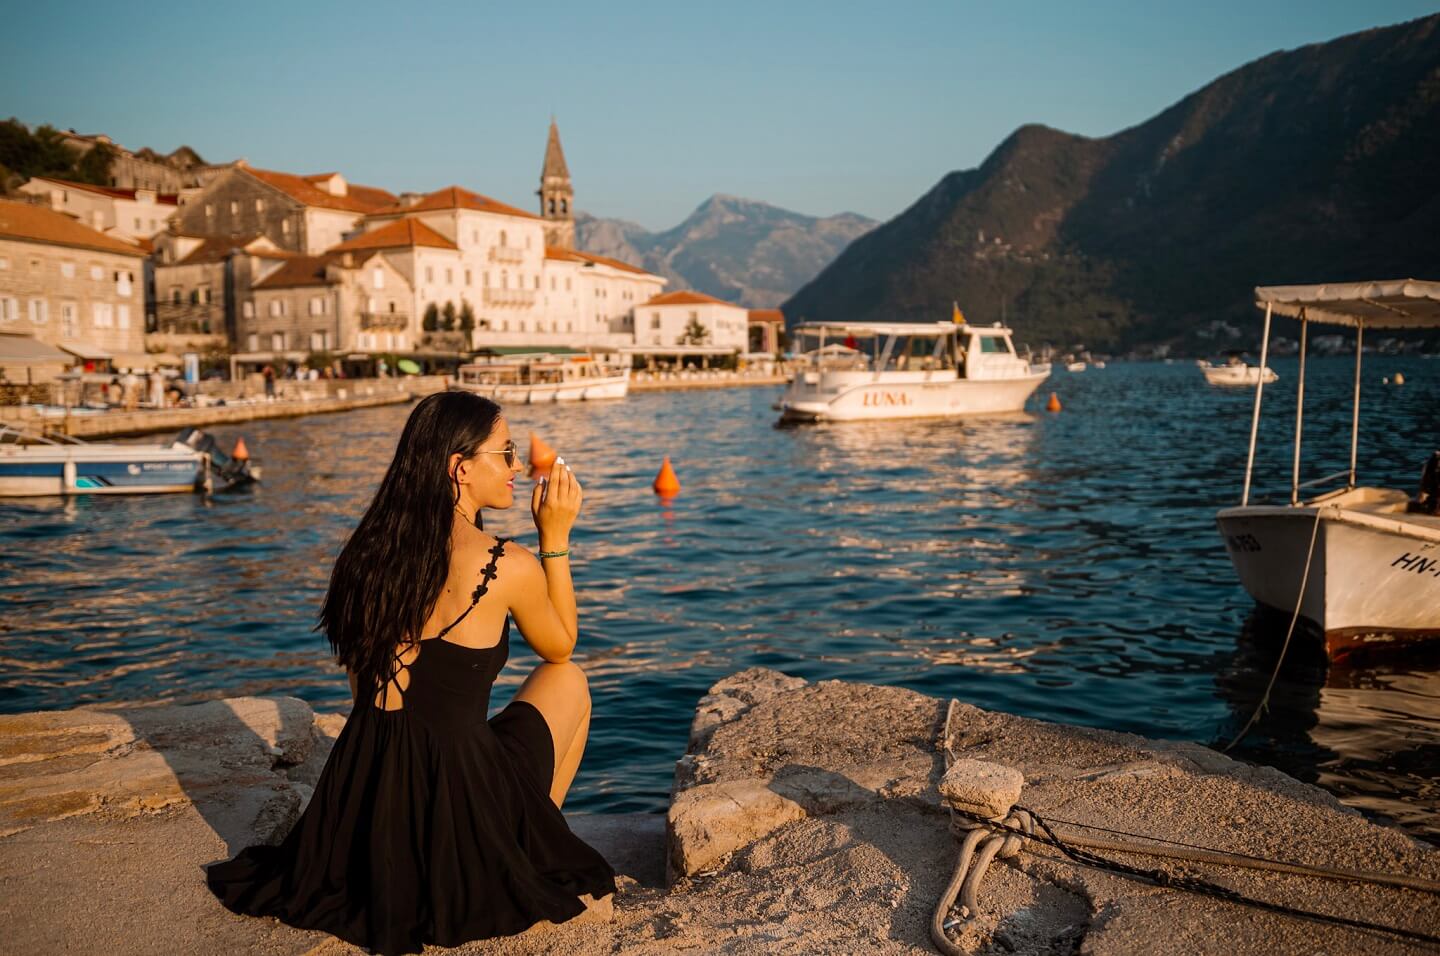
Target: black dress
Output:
[(429, 824)]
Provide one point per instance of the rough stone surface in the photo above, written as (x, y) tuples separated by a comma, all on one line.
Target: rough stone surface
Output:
[(806, 819), (980, 787)]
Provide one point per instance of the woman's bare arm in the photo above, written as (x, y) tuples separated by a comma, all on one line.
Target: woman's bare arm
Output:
[(544, 597)]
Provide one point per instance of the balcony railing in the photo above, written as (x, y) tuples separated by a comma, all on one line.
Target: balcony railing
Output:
[(494, 296), (507, 254), (384, 320)]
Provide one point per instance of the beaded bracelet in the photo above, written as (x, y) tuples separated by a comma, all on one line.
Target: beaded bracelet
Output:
[(554, 554)]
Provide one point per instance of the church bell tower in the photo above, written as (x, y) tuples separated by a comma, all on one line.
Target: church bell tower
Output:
[(557, 196)]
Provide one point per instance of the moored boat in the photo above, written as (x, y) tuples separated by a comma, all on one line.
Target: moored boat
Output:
[(910, 370), (37, 463), (1360, 564), (1236, 373), (543, 377)]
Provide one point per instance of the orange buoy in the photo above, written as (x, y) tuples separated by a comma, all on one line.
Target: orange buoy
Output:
[(1054, 404), (666, 484), (241, 453), (542, 456)]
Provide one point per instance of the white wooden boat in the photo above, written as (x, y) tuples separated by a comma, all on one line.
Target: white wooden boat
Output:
[(542, 377), (37, 463), (1075, 366), (906, 370), (1361, 564), (1236, 373)]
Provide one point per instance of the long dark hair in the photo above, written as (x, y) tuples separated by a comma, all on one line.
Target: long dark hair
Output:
[(389, 574)]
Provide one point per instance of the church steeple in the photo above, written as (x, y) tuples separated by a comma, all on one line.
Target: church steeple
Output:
[(557, 196)]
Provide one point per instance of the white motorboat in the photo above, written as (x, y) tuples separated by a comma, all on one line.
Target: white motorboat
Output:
[(37, 463), (1236, 373), (1360, 564), (906, 370), (1075, 366), (543, 377)]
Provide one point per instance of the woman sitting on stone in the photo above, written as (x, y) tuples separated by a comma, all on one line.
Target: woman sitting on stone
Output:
[(430, 823)]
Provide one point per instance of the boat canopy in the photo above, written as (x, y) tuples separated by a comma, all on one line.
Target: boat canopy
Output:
[(1386, 304)]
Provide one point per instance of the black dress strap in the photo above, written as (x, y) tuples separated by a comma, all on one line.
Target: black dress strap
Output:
[(486, 576)]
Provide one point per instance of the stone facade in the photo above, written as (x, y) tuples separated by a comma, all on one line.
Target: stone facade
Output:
[(84, 300), (333, 303), (237, 204), (146, 169)]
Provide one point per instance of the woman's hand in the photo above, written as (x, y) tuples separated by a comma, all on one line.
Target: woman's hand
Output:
[(555, 504)]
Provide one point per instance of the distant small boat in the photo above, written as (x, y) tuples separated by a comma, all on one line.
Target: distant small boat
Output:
[(1075, 367), (1235, 373), (1097, 364), (38, 463)]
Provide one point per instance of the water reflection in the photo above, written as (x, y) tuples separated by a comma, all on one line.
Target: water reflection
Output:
[(1366, 729)]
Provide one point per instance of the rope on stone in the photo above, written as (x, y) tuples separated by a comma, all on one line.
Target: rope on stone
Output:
[(965, 880)]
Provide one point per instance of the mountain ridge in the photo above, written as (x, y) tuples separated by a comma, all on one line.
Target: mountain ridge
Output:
[(1309, 165), (742, 250)]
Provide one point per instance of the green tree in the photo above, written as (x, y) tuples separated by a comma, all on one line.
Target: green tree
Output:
[(431, 321), (467, 317), (94, 166), (695, 333), (447, 317)]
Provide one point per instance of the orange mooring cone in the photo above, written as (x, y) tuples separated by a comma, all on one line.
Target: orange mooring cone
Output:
[(241, 453), (666, 484), (1054, 404), (542, 456)]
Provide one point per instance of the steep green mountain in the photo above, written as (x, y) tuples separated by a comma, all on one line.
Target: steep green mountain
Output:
[(740, 250), (1313, 165)]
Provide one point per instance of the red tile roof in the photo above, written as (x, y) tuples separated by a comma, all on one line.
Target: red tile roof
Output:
[(688, 298), (302, 271), (575, 255), (402, 232), (766, 315), (361, 199), (453, 197), (27, 221), (164, 199)]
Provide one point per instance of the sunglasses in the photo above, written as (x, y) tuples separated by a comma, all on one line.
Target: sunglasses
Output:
[(511, 451)]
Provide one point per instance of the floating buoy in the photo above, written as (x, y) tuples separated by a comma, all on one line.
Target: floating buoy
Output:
[(1399, 378), (1054, 404), (666, 484), (241, 453), (542, 456)]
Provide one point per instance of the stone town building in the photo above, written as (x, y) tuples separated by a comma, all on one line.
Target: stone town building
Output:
[(340, 301), (69, 286), (523, 292), (667, 320), (305, 214), (123, 213), (146, 169), (203, 282)]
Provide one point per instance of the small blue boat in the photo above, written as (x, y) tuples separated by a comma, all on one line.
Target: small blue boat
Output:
[(34, 464)]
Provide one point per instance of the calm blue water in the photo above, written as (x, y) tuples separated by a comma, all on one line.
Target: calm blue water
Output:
[(1058, 566)]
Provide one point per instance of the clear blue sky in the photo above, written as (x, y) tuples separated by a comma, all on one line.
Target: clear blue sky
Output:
[(820, 107)]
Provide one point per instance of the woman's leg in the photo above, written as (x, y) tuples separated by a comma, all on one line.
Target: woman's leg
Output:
[(562, 695)]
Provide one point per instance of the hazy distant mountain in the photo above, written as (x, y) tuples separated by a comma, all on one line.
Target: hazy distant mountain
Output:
[(736, 249), (1313, 165)]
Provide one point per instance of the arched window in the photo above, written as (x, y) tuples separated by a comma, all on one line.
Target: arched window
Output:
[(565, 207), (502, 237), (552, 207)]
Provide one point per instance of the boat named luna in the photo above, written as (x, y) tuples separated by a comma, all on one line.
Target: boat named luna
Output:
[(907, 370)]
